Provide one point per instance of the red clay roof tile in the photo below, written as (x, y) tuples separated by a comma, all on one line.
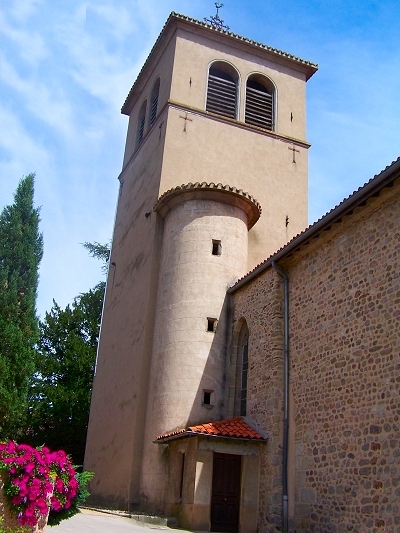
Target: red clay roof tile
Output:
[(233, 427)]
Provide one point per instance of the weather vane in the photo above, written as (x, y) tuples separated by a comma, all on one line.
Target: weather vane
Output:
[(216, 20)]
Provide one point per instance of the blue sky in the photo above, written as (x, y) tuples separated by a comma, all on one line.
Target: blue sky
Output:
[(66, 68)]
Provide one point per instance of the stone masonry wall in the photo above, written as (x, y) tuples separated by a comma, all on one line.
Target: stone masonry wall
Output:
[(345, 375), (264, 397)]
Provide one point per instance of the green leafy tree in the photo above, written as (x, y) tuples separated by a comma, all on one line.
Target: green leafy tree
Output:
[(61, 387), (21, 249)]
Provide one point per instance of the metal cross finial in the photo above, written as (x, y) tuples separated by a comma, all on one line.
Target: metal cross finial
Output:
[(216, 20)]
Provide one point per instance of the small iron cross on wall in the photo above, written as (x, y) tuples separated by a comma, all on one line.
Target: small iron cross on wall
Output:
[(294, 152), (185, 118)]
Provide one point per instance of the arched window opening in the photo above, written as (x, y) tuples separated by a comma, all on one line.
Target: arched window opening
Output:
[(141, 123), (260, 102), (222, 90), (242, 370), (154, 101)]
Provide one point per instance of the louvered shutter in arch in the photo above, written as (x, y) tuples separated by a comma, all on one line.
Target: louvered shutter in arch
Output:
[(141, 123), (259, 105), (221, 93), (154, 102)]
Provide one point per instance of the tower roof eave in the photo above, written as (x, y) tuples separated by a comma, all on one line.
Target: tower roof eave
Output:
[(210, 191), (176, 20)]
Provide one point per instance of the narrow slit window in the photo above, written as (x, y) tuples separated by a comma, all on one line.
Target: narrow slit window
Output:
[(216, 247), (212, 325), (182, 476), (207, 397)]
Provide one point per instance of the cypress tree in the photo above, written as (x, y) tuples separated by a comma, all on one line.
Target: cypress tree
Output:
[(21, 249)]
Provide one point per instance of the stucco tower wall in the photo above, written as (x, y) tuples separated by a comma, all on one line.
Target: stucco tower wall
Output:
[(186, 357), (118, 407)]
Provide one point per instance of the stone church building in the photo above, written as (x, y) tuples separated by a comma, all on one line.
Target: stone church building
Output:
[(234, 392)]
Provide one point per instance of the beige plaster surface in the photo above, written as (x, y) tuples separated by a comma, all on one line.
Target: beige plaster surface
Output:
[(215, 151), (115, 431), (202, 491), (187, 358), (195, 53)]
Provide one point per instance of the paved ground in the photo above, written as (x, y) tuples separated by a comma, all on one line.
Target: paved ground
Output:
[(94, 522)]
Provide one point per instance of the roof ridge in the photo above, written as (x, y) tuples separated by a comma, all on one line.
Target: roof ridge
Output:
[(375, 180), (242, 38)]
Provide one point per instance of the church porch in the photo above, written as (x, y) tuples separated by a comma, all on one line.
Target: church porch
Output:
[(213, 476)]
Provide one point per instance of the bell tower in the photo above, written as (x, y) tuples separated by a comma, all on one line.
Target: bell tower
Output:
[(214, 180)]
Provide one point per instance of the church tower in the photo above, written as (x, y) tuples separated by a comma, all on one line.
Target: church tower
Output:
[(214, 180)]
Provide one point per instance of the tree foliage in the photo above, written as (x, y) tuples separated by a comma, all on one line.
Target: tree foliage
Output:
[(61, 387), (100, 251), (21, 249)]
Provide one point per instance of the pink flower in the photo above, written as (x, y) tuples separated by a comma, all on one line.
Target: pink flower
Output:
[(29, 470), (17, 500), (42, 505), (10, 447), (29, 511), (73, 483), (60, 457), (30, 467), (72, 494), (56, 505), (59, 485), (38, 456)]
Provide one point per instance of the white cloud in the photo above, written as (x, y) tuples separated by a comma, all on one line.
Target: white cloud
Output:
[(31, 45), (22, 10), (118, 20), (21, 154), (101, 73), (47, 103)]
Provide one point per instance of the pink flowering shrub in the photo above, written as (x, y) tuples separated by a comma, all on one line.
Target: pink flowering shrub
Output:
[(38, 480)]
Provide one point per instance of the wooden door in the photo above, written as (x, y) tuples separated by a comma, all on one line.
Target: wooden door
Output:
[(225, 496)]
